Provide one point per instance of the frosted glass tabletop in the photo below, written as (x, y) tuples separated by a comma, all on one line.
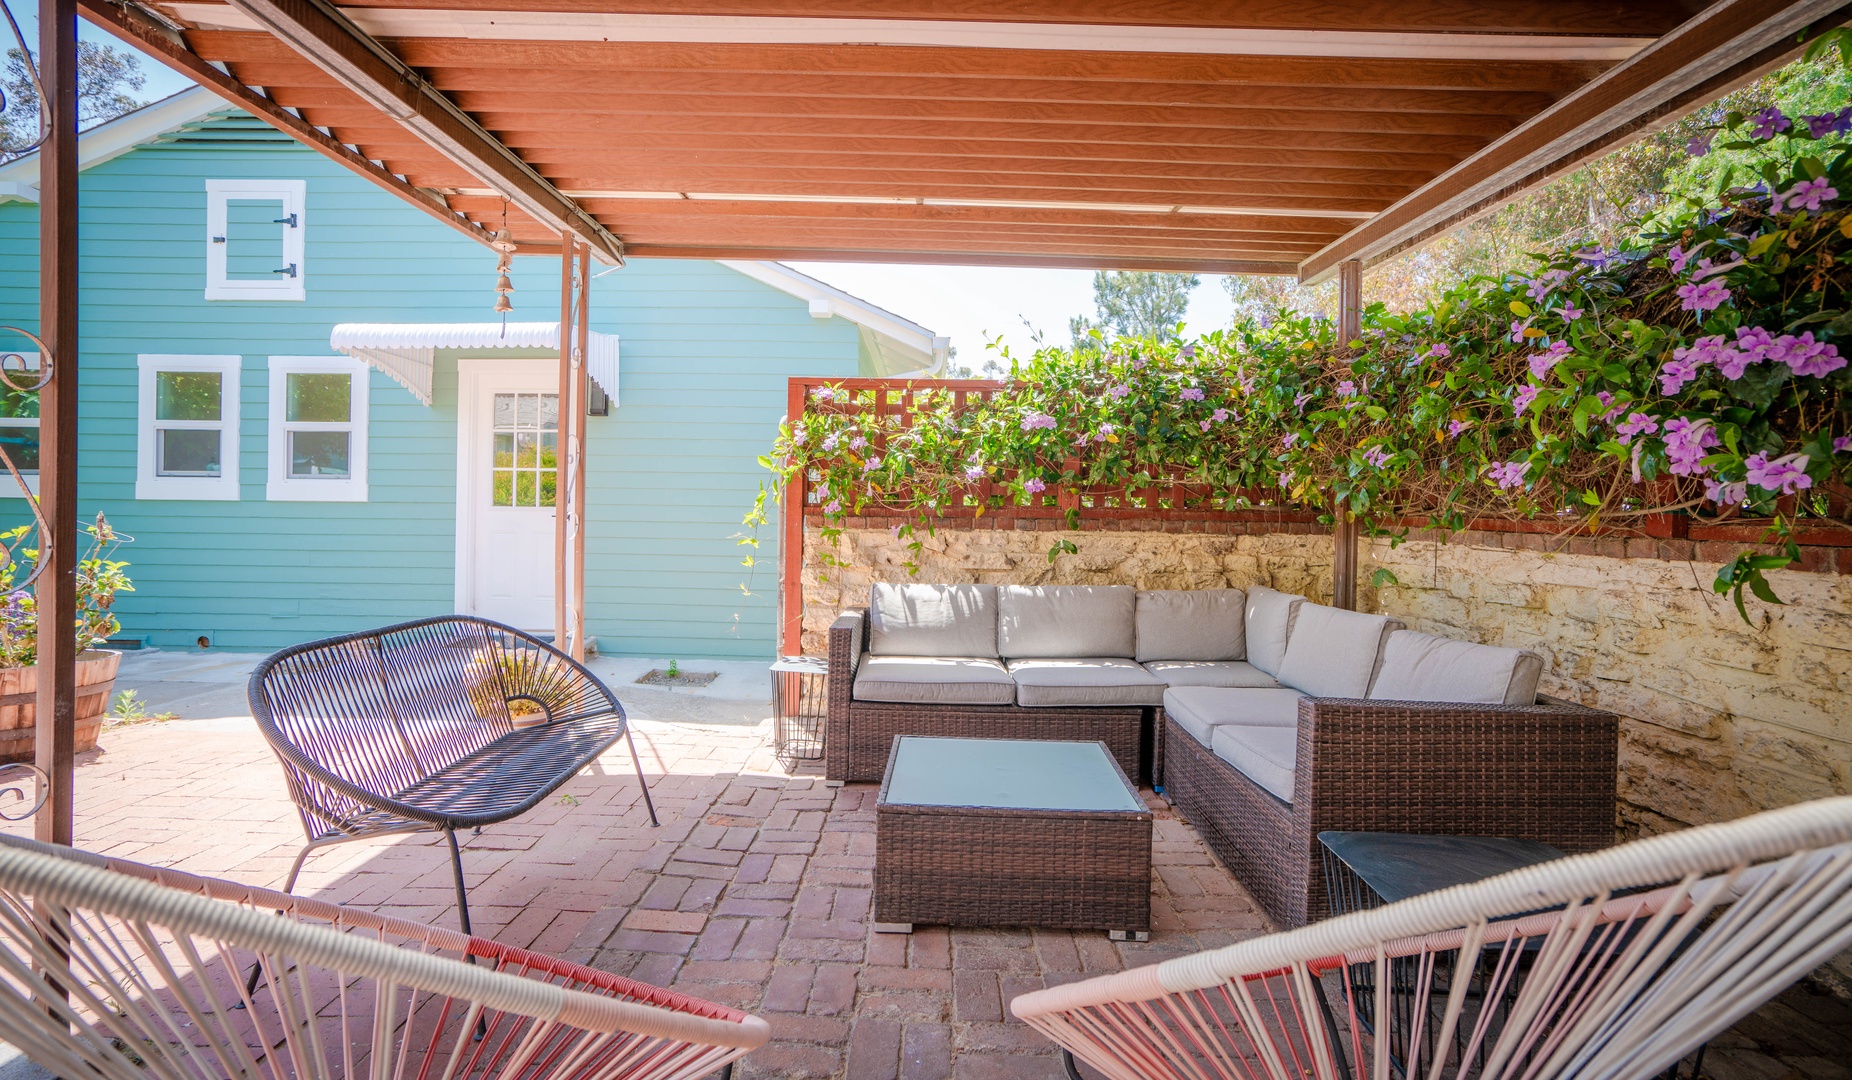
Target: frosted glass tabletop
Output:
[(1006, 774)]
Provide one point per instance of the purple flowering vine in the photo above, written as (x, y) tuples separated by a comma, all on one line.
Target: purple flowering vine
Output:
[(1784, 475), (1703, 296), (1686, 442), (1034, 485), (1192, 393), (1522, 399), (1770, 122), (1509, 474)]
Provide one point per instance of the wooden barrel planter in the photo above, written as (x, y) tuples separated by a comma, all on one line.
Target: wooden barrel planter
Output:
[(19, 688)]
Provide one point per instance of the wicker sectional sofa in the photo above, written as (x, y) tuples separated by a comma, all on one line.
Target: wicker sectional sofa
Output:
[(1265, 718)]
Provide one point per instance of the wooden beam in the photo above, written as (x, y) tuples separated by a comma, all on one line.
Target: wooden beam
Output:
[(55, 711), (581, 343), (796, 251), (562, 470), (564, 129), (317, 30), (1718, 50), (358, 128), (170, 49), (1581, 17), (791, 540), (1344, 526), (600, 86), (584, 61)]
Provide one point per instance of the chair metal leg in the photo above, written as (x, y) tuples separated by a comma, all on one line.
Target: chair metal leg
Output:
[(642, 783), (456, 866), (1067, 1062)]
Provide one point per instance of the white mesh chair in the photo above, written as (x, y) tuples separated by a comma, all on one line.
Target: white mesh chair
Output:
[(118, 971), (1614, 964)]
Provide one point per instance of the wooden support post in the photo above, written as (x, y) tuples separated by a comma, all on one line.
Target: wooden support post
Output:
[(791, 540), (562, 498), (1344, 527), (56, 589), (575, 525)]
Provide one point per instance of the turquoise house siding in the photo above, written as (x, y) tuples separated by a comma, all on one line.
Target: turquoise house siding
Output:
[(705, 354)]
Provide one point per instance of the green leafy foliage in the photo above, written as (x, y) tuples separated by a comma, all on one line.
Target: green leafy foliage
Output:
[(99, 579)]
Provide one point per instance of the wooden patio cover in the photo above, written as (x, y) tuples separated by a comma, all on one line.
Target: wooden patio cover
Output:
[(1273, 137)]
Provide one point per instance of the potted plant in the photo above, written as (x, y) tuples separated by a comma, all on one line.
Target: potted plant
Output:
[(99, 579)]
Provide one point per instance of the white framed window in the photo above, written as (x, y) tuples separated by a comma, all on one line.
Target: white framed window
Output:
[(254, 231), (19, 423), (318, 429), (187, 427)]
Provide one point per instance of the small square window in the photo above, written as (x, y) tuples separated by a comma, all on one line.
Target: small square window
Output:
[(318, 429), (189, 427), (254, 239)]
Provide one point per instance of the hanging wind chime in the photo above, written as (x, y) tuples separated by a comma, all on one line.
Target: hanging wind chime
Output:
[(503, 243)]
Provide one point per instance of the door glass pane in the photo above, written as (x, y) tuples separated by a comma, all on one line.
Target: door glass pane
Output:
[(186, 395), (318, 454), (253, 239), (319, 398), (186, 452), (21, 443), (524, 449)]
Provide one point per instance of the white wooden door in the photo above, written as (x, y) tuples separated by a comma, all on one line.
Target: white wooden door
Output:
[(509, 441)]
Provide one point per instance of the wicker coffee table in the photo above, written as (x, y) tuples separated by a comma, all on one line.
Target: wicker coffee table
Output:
[(1006, 832)]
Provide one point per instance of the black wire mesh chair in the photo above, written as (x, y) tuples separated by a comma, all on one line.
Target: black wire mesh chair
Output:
[(413, 727)]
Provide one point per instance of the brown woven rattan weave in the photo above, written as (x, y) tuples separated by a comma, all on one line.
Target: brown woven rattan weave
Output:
[(1538, 772), (988, 866), (860, 733)]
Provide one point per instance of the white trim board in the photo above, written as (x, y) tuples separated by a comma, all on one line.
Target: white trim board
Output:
[(1067, 37), (20, 179), (826, 300)]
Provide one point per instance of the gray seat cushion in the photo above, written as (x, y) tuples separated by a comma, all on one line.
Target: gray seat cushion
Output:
[(1422, 667), (1264, 755), (1192, 624), (1334, 653), (934, 680), (1269, 625), (1210, 673), (1063, 621), (932, 620), (1089, 680), (1199, 710)]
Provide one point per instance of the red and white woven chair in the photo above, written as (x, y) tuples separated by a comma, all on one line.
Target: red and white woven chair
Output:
[(120, 971), (1614, 964)]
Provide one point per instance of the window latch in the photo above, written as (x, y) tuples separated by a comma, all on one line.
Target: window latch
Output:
[(290, 221), (290, 270), (218, 239)]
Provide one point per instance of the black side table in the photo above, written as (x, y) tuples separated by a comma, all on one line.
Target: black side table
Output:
[(1370, 869)]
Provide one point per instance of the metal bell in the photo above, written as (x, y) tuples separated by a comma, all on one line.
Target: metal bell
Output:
[(502, 304), (503, 285)]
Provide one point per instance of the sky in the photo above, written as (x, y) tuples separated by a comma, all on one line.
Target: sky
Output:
[(971, 305)]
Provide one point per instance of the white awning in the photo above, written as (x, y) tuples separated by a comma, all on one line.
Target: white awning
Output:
[(408, 351)]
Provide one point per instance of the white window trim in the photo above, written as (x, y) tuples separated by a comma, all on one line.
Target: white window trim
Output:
[(221, 488), (293, 194), (8, 489), (284, 488)]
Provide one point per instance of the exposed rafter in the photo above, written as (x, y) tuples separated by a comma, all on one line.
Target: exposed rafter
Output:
[(168, 47), (1721, 48), (326, 38)]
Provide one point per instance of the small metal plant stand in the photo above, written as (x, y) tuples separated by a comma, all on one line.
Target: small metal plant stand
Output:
[(800, 707)]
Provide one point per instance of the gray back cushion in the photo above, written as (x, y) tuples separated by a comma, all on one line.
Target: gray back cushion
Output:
[(1194, 624), (1054, 621), (1422, 667), (1334, 653), (1269, 623), (932, 620)]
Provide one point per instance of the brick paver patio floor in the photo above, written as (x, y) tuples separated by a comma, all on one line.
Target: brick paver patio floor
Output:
[(755, 892)]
